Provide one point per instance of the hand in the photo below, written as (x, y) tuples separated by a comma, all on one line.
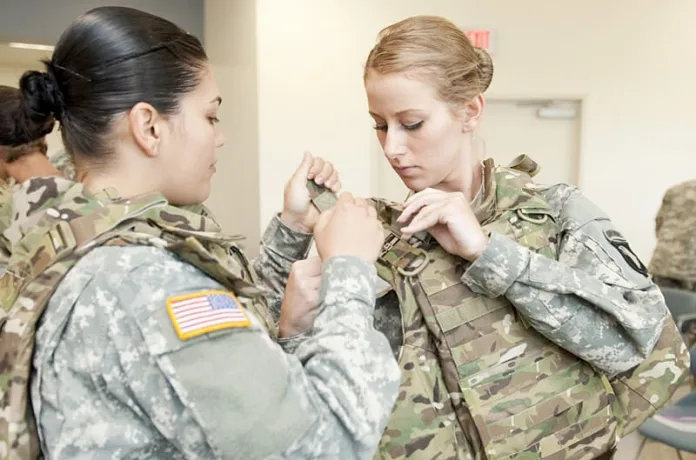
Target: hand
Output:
[(448, 218), (301, 299), (350, 228), (298, 212)]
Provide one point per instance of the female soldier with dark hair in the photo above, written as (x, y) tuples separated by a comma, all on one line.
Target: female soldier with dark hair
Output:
[(155, 341)]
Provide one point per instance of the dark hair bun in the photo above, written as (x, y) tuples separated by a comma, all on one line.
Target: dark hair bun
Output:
[(485, 68), (18, 124), (41, 95)]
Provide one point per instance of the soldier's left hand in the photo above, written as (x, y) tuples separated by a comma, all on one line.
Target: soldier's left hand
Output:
[(448, 217), (298, 211)]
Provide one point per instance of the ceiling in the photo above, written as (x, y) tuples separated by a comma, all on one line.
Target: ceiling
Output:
[(17, 57)]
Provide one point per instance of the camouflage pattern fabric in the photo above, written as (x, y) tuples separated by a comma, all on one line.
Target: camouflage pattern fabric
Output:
[(5, 219), (173, 399), (63, 163), (74, 222), (674, 257), (478, 381)]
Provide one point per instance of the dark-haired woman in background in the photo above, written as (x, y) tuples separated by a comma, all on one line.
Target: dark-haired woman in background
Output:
[(144, 353), (18, 161)]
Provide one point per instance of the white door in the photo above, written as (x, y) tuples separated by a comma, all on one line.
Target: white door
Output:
[(546, 131)]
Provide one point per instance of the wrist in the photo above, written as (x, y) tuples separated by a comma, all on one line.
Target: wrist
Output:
[(295, 223), (288, 330), (478, 248)]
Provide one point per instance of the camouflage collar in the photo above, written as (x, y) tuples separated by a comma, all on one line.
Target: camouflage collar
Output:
[(483, 203), (28, 202)]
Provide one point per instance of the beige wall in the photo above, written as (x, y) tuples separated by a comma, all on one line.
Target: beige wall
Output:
[(632, 63), (230, 36)]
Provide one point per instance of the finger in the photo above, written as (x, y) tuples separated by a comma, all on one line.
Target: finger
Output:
[(346, 198), (303, 170), (325, 173), (331, 182), (336, 186), (415, 204), (372, 212), (422, 193), (426, 218), (316, 168)]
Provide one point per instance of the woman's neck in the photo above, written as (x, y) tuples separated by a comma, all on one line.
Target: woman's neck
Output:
[(466, 178), (34, 164)]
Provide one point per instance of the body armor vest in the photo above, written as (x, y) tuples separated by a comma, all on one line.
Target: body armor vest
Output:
[(477, 380), (72, 225)]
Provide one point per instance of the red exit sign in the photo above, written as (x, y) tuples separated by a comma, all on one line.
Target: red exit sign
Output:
[(481, 38)]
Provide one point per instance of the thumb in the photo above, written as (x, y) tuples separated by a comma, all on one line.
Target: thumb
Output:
[(302, 171)]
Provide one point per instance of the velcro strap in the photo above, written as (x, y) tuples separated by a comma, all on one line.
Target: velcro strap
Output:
[(321, 197)]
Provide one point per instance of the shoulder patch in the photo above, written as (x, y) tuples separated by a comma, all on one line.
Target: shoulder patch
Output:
[(207, 311), (621, 244)]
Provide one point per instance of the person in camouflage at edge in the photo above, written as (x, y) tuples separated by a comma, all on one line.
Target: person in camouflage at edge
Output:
[(18, 162), (121, 367), (673, 263), (502, 254)]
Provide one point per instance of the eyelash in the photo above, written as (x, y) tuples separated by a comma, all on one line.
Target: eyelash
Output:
[(214, 120), (412, 127)]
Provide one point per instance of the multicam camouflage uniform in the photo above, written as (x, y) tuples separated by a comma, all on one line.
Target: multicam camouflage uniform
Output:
[(62, 162), (113, 377), (673, 263), (477, 381)]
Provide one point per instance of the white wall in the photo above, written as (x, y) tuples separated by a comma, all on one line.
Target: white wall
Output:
[(633, 63), (230, 31)]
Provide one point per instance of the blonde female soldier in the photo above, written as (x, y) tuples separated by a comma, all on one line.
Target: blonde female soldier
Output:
[(524, 324)]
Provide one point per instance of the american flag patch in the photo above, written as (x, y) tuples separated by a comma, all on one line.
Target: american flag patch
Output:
[(203, 312)]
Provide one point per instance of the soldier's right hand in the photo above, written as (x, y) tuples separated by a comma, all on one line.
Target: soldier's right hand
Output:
[(350, 228)]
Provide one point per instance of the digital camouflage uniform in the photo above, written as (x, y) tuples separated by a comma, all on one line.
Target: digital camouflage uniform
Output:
[(113, 379)]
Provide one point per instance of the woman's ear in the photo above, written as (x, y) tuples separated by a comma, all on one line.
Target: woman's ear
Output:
[(471, 113), (145, 124)]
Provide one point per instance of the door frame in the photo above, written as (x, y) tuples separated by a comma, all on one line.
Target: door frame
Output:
[(542, 100)]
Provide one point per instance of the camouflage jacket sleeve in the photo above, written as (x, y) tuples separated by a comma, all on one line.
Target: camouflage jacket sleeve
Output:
[(280, 248), (121, 383), (595, 300)]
